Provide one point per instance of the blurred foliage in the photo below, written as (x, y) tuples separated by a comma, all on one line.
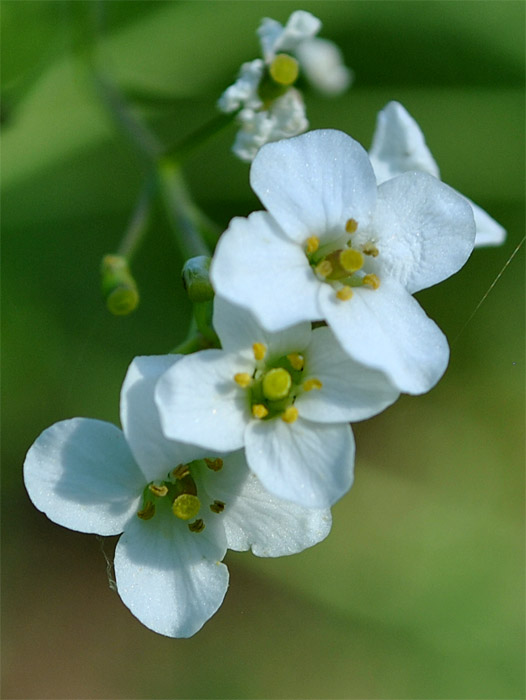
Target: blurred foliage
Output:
[(419, 590)]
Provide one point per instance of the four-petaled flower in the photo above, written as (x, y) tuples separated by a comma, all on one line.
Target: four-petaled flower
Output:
[(334, 246), (399, 146), (178, 510), (287, 397)]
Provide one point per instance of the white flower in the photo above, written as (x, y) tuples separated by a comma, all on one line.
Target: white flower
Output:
[(89, 476), (270, 109), (399, 145), (331, 234), (286, 397)]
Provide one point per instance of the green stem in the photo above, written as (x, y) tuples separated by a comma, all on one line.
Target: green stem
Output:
[(178, 151), (138, 224)]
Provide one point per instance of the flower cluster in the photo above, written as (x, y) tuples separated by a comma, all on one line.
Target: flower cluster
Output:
[(269, 107)]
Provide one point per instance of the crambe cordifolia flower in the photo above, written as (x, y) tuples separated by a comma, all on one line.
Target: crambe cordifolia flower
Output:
[(270, 108), (334, 246), (399, 146), (178, 511), (287, 397)]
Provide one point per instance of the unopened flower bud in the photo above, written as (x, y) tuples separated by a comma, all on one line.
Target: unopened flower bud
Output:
[(196, 279), (118, 286)]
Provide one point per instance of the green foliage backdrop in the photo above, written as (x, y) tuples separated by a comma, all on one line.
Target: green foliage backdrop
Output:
[(419, 590)]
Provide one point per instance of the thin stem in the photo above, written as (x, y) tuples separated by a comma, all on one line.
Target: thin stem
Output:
[(139, 221), (178, 151)]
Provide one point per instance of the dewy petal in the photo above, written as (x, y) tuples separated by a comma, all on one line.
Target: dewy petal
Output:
[(141, 424), (313, 183), (238, 329), (399, 145), (424, 230), (82, 475), (322, 62), (200, 403), (350, 391), (308, 463), (256, 519), (257, 267), (387, 329), (170, 578)]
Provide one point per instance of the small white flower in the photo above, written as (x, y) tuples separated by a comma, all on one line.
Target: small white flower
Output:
[(286, 397), (335, 247), (89, 476), (399, 146), (270, 108)]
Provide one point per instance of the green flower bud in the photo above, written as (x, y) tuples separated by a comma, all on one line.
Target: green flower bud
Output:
[(196, 279), (118, 286)]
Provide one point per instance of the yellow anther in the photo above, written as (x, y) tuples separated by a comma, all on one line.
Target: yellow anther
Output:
[(158, 490), (284, 69), (147, 512), (214, 464), (276, 384), (372, 281), (197, 526), (217, 507), (312, 384), (370, 249), (259, 410), (344, 293), (260, 350), (296, 360), (180, 471), (351, 225), (243, 379), (290, 414), (312, 244), (351, 260), (186, 506), (323, 268)]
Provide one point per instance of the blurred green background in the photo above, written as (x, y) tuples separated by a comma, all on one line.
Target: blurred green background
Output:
[(419, 590)]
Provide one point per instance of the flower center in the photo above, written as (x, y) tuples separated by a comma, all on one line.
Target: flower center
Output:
[(177, 494), (343, 264), (273, 386)]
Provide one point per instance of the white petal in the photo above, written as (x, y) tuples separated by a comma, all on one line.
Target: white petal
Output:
[(170, 578), (244, 92), (308, 463), (255, 266), (489, 231), (154, 453), (256, 519), (399, 145), (425, 230), (82, 475), (238, 329), (350, 391), (387, 329), (200, 403), (322, 62), (313, 183), (274, 37)]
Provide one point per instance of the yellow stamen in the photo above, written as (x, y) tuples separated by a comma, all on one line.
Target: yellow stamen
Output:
[(260, 350), (344, 293), (217, 507), (259, 410), (147, 512), (197, 526), (370, 249), (312, 244), (284, 69), (180, 471), (214, 464), (351, 260), (186, 506), (243, 379), (290, 414), (323, 268), (312, 384), (296, 360), (158, 490), (372, 281), (276, 384), (351, 225)]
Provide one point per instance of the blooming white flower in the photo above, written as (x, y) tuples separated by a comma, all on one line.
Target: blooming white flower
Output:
[(89, 476), (399, 146), (270, 109), (333, 246), (287, 397)]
